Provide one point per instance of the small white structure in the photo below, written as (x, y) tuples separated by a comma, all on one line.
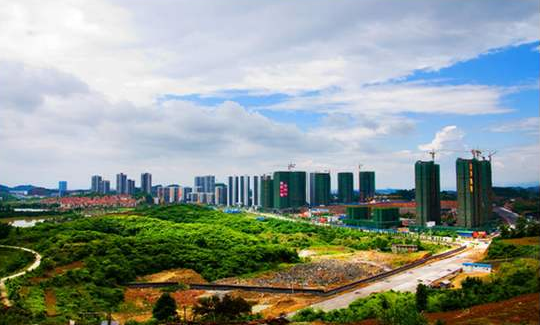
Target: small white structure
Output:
[(476, 267), (430, 224)]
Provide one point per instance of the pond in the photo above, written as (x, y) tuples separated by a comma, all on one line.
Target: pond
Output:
[(22, 222)]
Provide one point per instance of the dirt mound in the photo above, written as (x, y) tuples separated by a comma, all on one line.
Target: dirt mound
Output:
[(174, 275), (519, 310), (322, 273)]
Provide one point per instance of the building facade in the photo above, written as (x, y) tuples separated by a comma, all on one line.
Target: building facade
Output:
[(474, 191), (367, 185), (319, 189), (289, 189), (345, 187), (121, 183), (427, 192), (267, 192), (62, 188), (130, 187), (220, 195), (95, 183), (146, 183)]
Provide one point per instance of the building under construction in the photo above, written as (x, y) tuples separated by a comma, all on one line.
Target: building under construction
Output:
[(427, 190), (267, 192), (379, 218), (319, 189), (345, 187), (474, 190), (289, 188), (367, 185)]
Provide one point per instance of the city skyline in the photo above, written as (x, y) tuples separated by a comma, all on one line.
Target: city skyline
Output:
[(363, 85)]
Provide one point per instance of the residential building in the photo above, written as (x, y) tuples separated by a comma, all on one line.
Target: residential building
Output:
[(220, 195), (205, 184), (62, 188), (256, 199), (130, 187), (267, 192), (474, 192), (427, 190), (319, 189), (345, 187), (121, 183), (230, 191), (95, 183), (146, 183), (289, 189), (367, 185), (104, 187)]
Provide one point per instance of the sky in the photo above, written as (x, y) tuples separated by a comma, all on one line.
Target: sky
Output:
[(185, 88)]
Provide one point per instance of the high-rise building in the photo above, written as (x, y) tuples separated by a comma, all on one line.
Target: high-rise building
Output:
[(427, 190), (121, 183), (230, 189), (62, 188), (104, 187), (130, 187), (205, 184), (220, 195), (474, 190), (187, 192), (367, 185), (319, 188), (256, 200), (267, 192), (289, 189), (95, 183), (146, 183), (345, 187), (236, 190)]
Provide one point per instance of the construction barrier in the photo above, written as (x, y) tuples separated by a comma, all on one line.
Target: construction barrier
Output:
[(291, 290)]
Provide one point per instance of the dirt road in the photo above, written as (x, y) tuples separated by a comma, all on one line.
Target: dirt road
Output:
[(33, 266)]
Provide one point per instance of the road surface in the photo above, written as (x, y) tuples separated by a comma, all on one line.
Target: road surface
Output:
[(406, 281), (33, 266), (507, 215)]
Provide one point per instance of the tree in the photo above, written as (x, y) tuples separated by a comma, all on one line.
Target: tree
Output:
[(4, 230), (421, 297), (400, 312), (228, 308), (165, 308)]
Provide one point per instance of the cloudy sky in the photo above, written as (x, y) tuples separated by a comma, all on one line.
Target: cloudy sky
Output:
[(180, 88)]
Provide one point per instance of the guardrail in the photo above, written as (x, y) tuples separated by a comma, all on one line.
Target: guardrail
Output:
[(291, 290)]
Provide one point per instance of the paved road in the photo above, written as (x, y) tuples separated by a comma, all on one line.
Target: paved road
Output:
[(33, 266), (406, 281), (507, 215)]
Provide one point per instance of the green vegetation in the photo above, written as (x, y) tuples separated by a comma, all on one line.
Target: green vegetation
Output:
[(388, 307), (12, 260), (165, 308), (515, 278), (219, 309), (502, 250), (86, 261), (524, 228)]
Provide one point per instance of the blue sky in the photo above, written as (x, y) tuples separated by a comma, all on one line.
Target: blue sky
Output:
[(184, 88)]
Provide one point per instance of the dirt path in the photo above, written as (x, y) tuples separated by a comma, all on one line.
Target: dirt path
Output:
[(33, 266)]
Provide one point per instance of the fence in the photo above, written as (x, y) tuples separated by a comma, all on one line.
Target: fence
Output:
[(291, 290)]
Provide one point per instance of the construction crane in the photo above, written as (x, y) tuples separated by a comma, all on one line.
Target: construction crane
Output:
[(360, 167), (432, 153), (291, 166)]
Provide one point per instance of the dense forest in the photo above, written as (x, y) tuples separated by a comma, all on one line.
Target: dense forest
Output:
[(12, 260), (86, 261)]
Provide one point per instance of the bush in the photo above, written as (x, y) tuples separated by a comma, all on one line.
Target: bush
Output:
[(165, 308)]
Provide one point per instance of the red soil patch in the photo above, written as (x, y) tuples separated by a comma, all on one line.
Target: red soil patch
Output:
[(50, 302), (519, 310)]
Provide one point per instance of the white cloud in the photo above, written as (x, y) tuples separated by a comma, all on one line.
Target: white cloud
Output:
[(130, 50), (80, 79), (449, 138), (528, 125)]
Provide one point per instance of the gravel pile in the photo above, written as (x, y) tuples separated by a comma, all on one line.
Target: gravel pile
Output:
[(315, 274)]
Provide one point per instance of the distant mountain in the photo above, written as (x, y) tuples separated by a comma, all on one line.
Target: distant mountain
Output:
[(23, 187)]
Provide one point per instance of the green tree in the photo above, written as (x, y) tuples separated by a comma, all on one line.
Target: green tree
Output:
[(228, 308), (165, 308), (401, 311), (421, 297), (4, 230)]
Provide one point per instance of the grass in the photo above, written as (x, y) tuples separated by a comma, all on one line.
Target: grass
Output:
[(13, 260), (523, 241)]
